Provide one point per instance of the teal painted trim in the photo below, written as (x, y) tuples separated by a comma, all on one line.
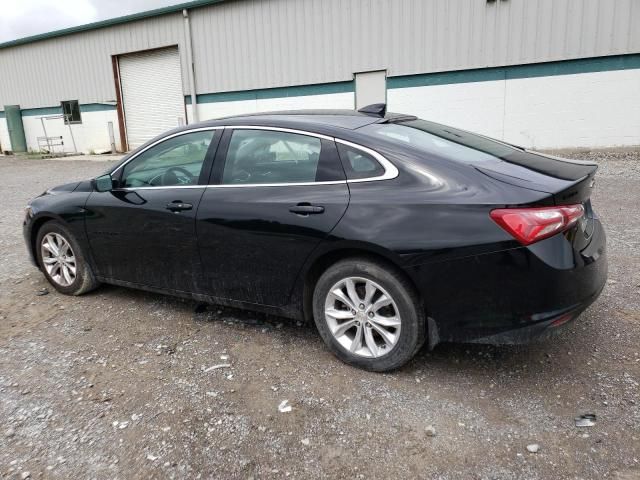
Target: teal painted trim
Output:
[(15, 126), (446, 78), (278, 92), (32, 112), (571, 67), (565, 67), (97, 107), (84, 108), (112, 21), (1, 113)]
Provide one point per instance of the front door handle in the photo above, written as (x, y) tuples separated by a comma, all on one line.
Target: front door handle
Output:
[(305, 209), (179, 206)]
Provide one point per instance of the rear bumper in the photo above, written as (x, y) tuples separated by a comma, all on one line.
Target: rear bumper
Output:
[(513, 296)]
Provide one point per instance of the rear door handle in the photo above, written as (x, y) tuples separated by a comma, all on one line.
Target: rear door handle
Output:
[(178, 206), (306, 209)]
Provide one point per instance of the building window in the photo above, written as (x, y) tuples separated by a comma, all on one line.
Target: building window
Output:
[(71, 111)]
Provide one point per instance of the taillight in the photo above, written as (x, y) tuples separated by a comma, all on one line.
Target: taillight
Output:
[(529, 225)]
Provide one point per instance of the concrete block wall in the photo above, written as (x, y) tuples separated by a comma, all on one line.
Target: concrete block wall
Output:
[(595, 109), (5, 143), (90, 135), (600, 109)]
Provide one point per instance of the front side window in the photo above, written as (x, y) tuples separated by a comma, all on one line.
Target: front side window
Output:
[(174, 162), (265, 156), (71, 111)]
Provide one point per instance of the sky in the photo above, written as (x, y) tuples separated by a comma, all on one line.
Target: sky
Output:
[(22, 18)]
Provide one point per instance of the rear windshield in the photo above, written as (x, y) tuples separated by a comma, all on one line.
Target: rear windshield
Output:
[(441, 140), (471, 149)]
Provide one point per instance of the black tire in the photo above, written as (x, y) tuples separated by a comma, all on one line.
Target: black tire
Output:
[(412, 328), (85, 280)]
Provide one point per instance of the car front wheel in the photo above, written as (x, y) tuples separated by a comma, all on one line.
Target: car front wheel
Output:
[(62, 261), (368, 314)]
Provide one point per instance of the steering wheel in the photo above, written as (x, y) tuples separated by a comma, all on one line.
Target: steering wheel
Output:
[(173, 176), (241, 176)]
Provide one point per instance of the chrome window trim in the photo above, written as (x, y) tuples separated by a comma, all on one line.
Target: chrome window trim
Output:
[(133, 189), (390, 169), (280, 129)]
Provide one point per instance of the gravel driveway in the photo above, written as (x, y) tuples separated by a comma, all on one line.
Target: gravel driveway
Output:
[(126, 384)]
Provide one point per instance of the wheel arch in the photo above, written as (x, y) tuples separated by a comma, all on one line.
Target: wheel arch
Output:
[(36, 225), (325, 260)]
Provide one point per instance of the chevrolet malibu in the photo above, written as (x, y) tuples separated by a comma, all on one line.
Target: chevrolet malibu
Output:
[(385, 230)]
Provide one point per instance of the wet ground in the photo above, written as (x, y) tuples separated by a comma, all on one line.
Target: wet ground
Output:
[(126, 384)]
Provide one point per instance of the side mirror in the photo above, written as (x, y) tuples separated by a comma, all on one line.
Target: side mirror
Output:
[(103, 183)]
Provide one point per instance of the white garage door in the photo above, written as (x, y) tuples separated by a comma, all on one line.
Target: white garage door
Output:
[(151, 93)]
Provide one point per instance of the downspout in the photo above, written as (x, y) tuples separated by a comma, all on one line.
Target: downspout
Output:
[(192, 80)]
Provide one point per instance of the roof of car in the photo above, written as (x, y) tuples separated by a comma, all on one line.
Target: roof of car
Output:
[(347, 119)]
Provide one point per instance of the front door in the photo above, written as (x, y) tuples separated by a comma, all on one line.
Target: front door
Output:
[(278, 194), (143, 231)]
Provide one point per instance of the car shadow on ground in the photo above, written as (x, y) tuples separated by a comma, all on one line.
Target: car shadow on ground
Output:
[(549, 360)]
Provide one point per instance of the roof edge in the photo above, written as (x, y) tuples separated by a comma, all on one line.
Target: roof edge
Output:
[(110, 22)]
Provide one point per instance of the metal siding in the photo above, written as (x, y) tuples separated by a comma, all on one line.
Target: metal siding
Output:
[(252, 44), (78, 66)]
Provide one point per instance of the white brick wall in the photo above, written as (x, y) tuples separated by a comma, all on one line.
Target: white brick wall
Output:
[(474, 106), (4, 135), (91, 134), (599, 109)]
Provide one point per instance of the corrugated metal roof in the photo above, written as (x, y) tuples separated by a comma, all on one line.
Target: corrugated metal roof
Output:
[(110, 22)]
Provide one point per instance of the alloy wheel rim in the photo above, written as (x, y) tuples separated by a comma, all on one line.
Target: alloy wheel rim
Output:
[(362, 317), (58, 259)]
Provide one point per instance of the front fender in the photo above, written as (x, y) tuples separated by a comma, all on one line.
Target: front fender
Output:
[(66, 208)]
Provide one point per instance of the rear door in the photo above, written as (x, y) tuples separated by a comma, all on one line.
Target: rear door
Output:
[(277, 194)]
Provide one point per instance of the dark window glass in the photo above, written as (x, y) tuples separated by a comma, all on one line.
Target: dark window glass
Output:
[(71, 111), (265, 156), (177, 161), (359, 164)]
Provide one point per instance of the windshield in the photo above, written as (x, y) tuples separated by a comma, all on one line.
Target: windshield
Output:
[(441, 140)]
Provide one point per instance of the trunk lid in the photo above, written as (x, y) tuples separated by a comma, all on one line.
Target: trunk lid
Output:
[(568, 181)]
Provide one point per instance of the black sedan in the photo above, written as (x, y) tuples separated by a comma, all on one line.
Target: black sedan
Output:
[(386, 230)]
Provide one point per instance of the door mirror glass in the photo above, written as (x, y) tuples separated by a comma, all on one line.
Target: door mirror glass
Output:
[(103, 183)]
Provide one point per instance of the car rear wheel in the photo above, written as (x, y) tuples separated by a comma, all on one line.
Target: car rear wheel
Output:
[(62, 261), (368, 314)]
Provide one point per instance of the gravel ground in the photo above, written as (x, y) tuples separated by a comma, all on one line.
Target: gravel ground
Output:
[(120, 384)]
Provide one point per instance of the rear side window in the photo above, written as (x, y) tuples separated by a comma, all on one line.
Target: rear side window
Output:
[(266, 157), (358, 164)]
